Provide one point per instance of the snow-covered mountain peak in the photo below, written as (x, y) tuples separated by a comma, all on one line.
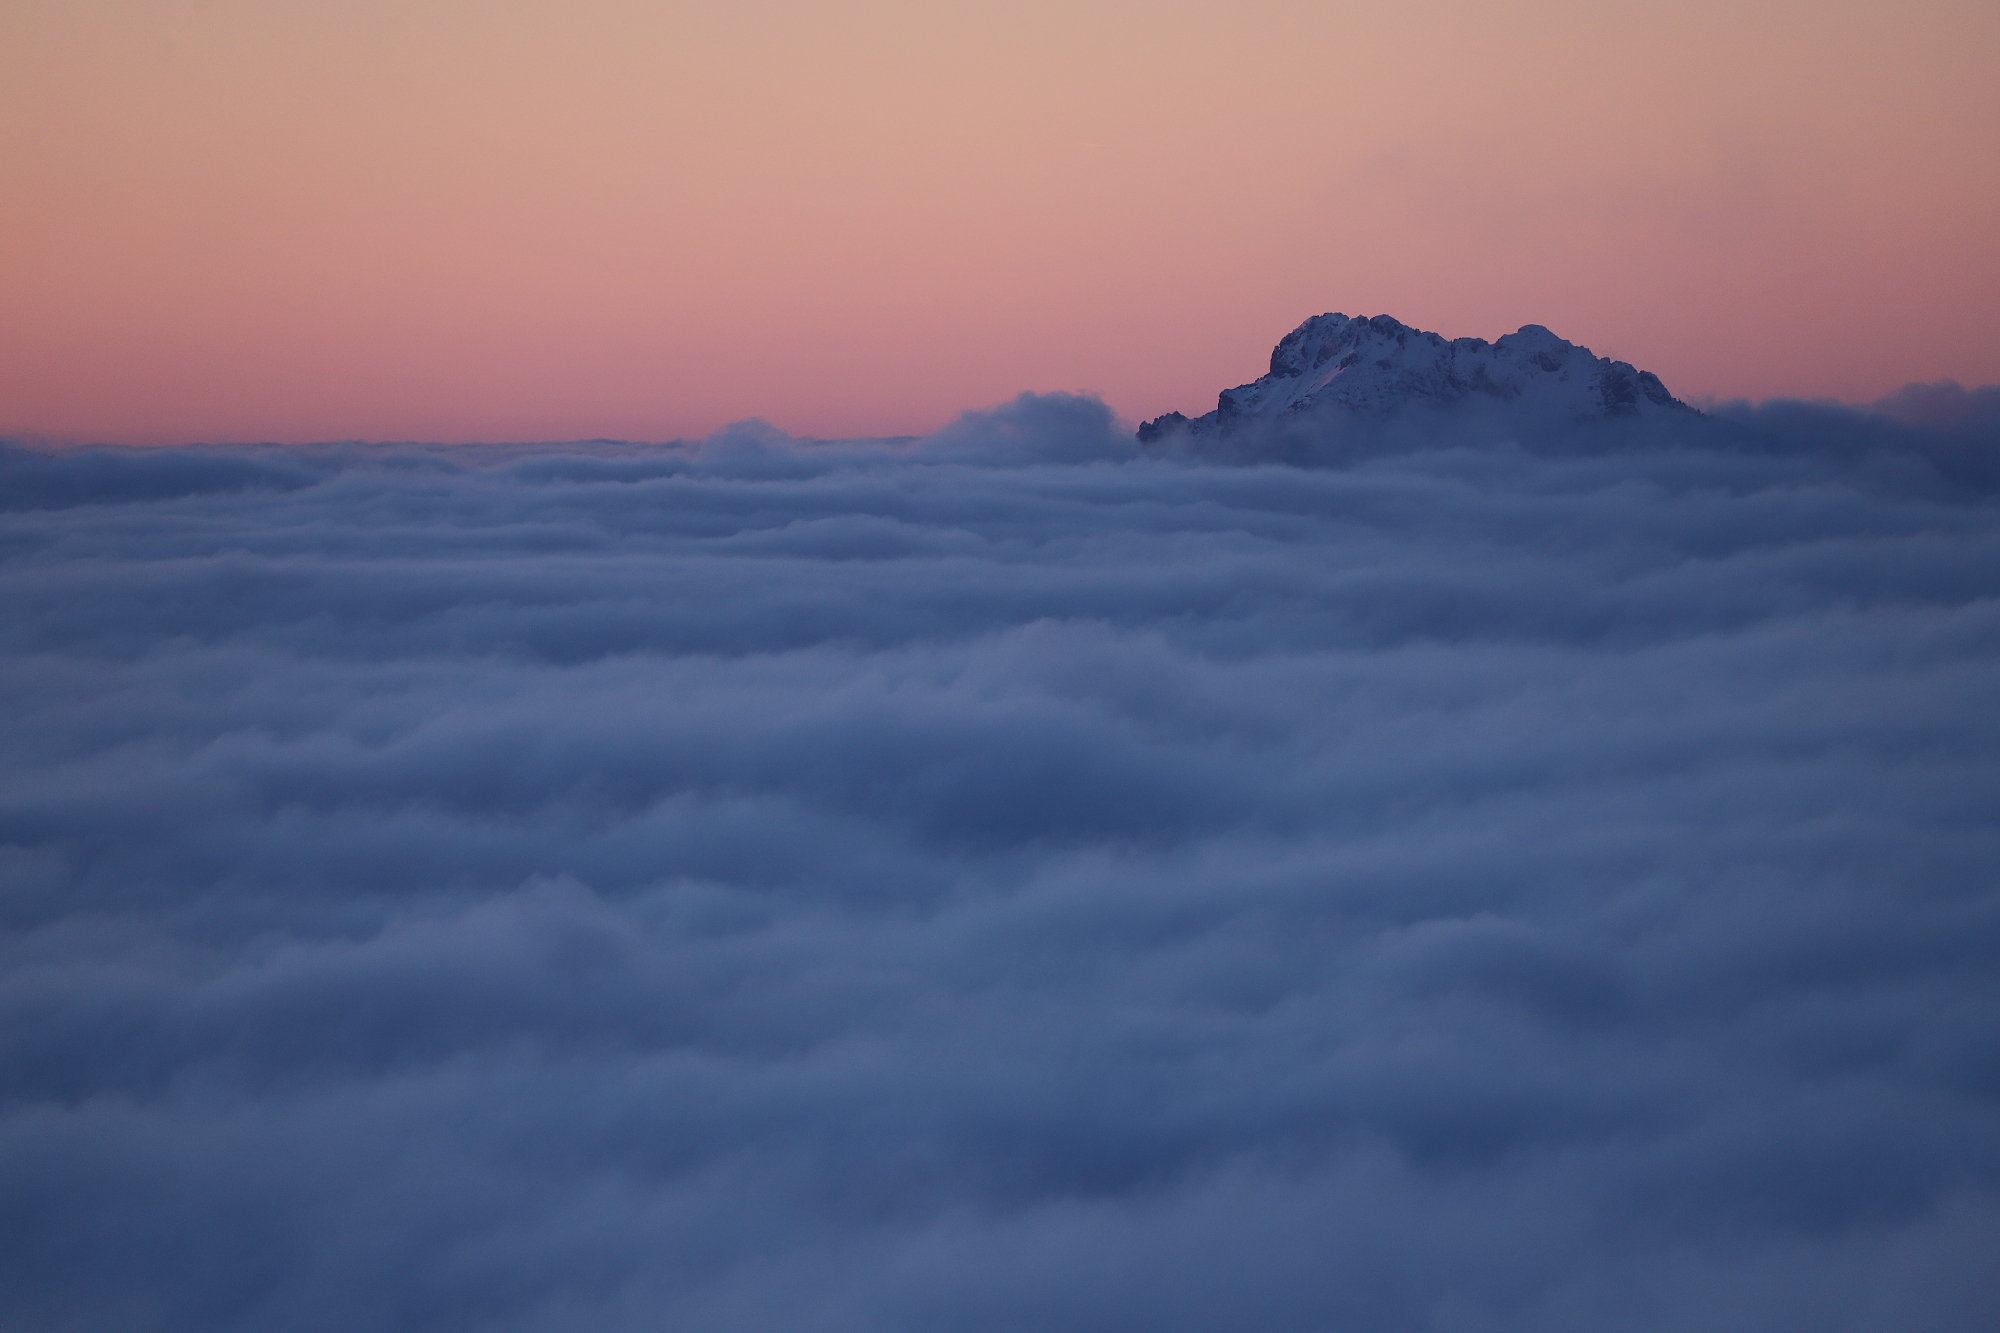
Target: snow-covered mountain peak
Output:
[(1375, 367)]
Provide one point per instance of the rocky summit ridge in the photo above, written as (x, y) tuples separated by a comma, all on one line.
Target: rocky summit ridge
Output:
[(1376, 367)]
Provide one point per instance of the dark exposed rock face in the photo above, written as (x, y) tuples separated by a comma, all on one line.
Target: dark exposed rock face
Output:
[(1376, 367)]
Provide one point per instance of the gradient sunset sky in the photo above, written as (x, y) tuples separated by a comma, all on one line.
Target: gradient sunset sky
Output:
[(434, 219)]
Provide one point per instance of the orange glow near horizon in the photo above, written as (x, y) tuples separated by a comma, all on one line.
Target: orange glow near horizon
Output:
[(516, 219)]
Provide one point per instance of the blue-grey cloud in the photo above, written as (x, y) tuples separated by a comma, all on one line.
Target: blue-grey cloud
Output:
[(1436, 876)]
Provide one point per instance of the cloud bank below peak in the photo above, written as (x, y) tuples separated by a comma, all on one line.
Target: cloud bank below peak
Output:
[(1009, 877)]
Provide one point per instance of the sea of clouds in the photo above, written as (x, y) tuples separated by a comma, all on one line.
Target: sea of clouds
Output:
[(1435, 877)]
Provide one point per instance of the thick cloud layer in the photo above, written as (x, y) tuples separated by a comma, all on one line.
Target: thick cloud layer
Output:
[(1450, 880)]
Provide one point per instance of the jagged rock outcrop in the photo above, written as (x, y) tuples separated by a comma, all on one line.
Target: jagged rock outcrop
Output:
[(1376, 367)]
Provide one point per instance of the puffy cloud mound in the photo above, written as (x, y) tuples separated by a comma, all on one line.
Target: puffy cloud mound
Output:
[(1008, 880)]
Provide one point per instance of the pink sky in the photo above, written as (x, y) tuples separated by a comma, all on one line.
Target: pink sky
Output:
[(510, 219)]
